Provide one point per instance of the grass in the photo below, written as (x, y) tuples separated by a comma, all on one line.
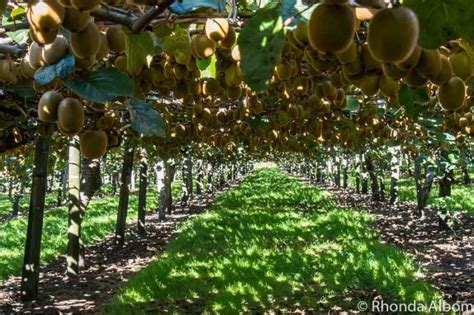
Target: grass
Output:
[(99, 221), (272, 243), (462, 196)]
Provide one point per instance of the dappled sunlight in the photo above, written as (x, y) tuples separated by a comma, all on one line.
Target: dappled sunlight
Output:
[(273, 243)]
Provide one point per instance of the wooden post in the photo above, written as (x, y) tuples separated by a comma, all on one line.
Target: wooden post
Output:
[(143, 184), (31, 263)]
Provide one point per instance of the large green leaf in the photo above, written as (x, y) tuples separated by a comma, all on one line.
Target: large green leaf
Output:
[(63, 69), (101, 86), (23, 88), (146, 120), (138, 47), (179, 41), (442, 20), (261, 43), (413, 100), (20, 36)]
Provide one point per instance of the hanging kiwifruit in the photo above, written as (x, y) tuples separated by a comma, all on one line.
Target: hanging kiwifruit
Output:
[(45, 15), (393, 34), (85, 5), (70, 116), (93, 144), (87, 42), (331, 28), (452, 94), (202, 46), (116, 39), (75, 20), (48, 106), (217, 29), (462, 65), (7, 71), (54, 52)]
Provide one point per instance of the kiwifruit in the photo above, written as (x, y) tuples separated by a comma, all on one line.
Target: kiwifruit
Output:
[(116, 39), (235, 53), (388, 86), (446, 72), (36, 55), (369, 84), (230, 39), (353, 68), (7, 71), (93, 144), (211, 87), (103, 48), (183, 58), (394, 72), (43, 37), (85, 5), (85, 63), (452, 94), (331, 28), (369, 62), (329, 91), (202, 46), (26, 69), (70, 116), (180, 91), (411, 61), (233, 92), (233, 76), (283, 71), (87, 42), (121, 63), (216, 28), (348, 55), (180, 71), (54, 52), (393, 34), (300, 85), (462, 66), (337, 79), (429, 65), (75, 20), (300, 34), (45, 15), (48, 106)]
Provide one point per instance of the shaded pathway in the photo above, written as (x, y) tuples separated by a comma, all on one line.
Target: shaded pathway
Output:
[(447, 259), (106, 266)]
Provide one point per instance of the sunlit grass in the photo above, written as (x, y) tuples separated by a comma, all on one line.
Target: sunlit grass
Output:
[(272, 243), (462, 195), (99, 221)]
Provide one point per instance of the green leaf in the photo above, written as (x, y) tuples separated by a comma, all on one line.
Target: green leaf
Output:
[(179, 41), (441, 20), (20, 37), (261, 44), (258, 122), (63, 69), (146, 120), (138, 47), (102, 86), (207, 67), (412, 100), (17, 11)]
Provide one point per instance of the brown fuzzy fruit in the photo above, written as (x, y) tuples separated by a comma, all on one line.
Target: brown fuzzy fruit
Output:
[(429, 65), (393, 34), (217, 29), (412, 61), (70, 116), (36, 55), (45, 15), (116, 39), (202, 47), (452, 94), (54, 52), (331, 28), (43, 37), (462, 66), (103, 48), (48, 106), (446, 72), (75, 20), (93, 144), (7, 71), (87, 42), (85, 5)]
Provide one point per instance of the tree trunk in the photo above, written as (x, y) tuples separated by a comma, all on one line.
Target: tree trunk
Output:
[(210, 175), (465, 176), (124, 194), (187, 177), (142, 196), (74, 204), (345, 173), (31, 263), (199, 177), (161, 188), (395, 175), (423, 192), (337, 172), (445, 184), (374, 185), (365, 176)]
